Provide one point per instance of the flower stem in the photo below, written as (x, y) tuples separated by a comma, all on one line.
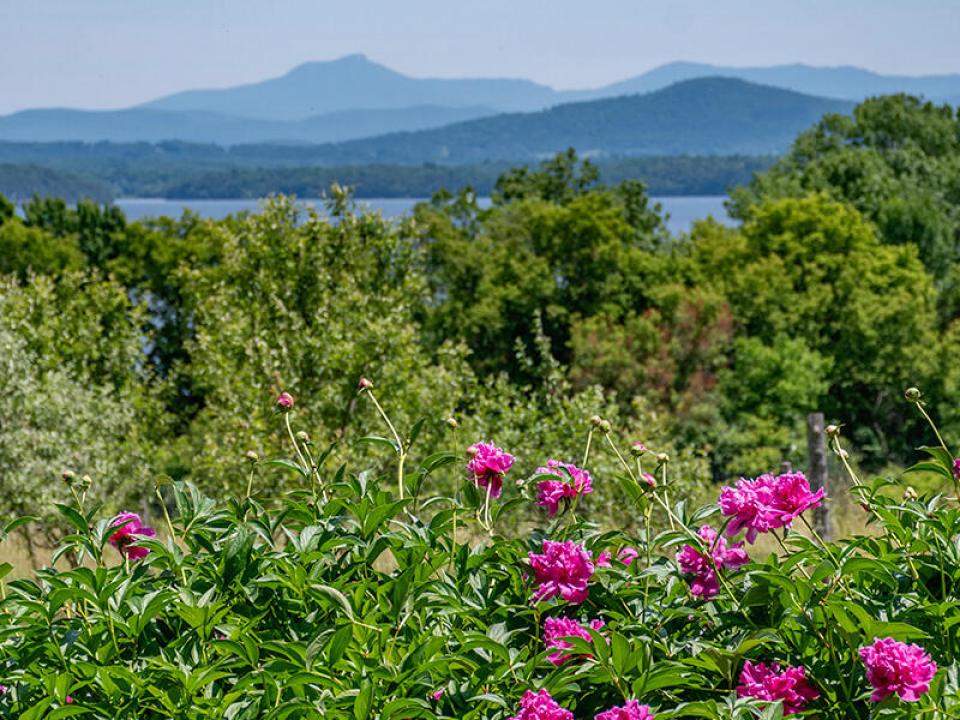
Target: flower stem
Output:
[(401, 453)]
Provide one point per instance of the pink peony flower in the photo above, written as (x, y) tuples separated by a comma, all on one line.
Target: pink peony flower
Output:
[(550, 493), (633, 710), (488, 464), (285, 400), (437, 695), (767, 502), (125, 539), (704, 568), (626, 555), (770, 684), (4, 689), (540, 706), (69, 700), (573, 482), (649, 479), (895, 667), (563, 569), (555, 629), (956, 468)]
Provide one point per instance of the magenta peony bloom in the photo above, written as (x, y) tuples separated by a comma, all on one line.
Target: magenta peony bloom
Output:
[(770, 684), (488, 465), (125, 539), (550, 493), (633, 710), (285, 400), (603, 559), (627, 555), (555, 629), (563, 569), (69, 700), (437, 695), (767, 502), (956, 468), (540, 706), (895, 667), (704, 568), (3, 689), (573, 482)]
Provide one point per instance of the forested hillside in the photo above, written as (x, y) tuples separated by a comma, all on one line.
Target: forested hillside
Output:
[(143, 349)]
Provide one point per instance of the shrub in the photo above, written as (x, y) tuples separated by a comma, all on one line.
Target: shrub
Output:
[(359, 599)]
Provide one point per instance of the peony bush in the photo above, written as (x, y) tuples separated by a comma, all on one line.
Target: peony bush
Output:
[(356, 595)]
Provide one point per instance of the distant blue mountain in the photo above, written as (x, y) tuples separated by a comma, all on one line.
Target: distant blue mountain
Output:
[(147, 125), (353, 97), (705, 116), (355, 82), (846, 83)]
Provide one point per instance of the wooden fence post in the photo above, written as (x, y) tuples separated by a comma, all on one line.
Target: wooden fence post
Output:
[(817, 469)]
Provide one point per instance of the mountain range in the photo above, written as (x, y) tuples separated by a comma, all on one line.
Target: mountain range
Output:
[(706, 116), (353, 97)]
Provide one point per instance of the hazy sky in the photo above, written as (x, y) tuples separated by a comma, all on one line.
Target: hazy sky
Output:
[(112, 53)]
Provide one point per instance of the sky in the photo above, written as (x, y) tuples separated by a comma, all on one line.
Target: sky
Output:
[(117, 53)]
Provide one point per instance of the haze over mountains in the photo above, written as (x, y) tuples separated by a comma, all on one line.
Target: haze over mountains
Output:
[(353, 97)]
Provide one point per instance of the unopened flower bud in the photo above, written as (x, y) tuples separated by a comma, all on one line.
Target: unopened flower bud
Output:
[(910, 493), (638, 449), (472, 450), (85, 482), (364, 384), (252, 456), (303, 437), (285, 400), (596, 420), (831, 430), (452, 422), (68, 476), (604, 426), (663, 458), (844, 454), (912, 394)]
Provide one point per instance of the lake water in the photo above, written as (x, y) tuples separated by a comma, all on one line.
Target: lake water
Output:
[(682, 211)]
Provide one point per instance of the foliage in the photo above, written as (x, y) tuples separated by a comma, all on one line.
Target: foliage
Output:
[(355, 601), (897, 160), (563, 298), (21, 182)]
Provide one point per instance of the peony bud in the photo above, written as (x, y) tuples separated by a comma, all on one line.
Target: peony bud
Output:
[(604, 426), (252, 456), (364, 384), (452, 422), (638, 449), (303, 437), (68, 476), (662, 458), (596, 420), (285, 400), (85, 482), (912, 394)]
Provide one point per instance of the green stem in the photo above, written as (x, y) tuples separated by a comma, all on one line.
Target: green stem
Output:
[(296, 446), (396, 436), (586, 452), (935, 430)]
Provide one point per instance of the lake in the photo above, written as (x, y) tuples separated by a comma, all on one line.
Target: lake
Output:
[(682, 211)]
